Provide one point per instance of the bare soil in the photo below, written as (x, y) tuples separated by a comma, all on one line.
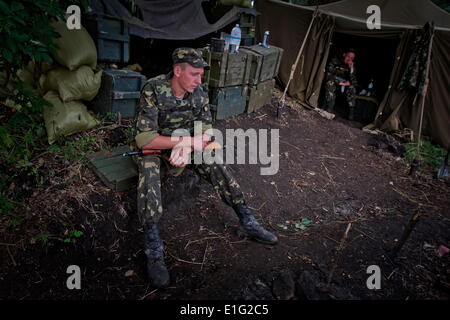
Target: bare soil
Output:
[(330, 173)]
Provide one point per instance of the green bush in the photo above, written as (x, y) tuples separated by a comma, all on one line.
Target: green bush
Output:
[(26, 38), (430, 154)]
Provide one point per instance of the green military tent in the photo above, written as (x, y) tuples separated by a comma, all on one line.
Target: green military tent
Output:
[(401, 20)]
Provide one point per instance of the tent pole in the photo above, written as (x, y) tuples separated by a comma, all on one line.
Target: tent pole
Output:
[(416, 161), (294, 66)]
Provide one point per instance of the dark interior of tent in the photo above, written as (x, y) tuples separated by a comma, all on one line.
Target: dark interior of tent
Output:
[(375, 58)]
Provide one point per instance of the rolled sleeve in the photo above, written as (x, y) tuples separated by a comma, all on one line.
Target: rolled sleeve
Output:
[(146, 120)]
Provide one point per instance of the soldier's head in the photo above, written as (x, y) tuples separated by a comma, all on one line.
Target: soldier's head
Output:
[(349, 55), (188, 68)]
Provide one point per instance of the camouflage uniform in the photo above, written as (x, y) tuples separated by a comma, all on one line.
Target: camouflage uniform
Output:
[(337, 68), (159, 114)]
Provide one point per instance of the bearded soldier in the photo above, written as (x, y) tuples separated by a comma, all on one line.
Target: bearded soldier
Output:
[(170, 102)]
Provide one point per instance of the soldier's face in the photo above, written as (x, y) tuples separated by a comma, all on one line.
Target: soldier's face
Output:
[(189, 77), (349, 57)]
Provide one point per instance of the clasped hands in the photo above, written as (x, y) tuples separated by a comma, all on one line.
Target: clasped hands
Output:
[(181, 153)]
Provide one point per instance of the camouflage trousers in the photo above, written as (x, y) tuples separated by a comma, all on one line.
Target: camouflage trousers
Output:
[(330, 94), (149, 204)]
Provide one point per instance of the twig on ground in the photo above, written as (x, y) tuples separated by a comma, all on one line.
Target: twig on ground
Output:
[(203, 239), (330, 157), (291, 145), (365, 234), (259, 207), (204, 256), (412, 200), (7, 244), (148, 294), (337, 254), (11, 256), (181, 260), (407, 231), (328, 173)]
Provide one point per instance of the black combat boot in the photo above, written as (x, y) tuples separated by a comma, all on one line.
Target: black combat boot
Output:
[(251, 228), (154, 250)]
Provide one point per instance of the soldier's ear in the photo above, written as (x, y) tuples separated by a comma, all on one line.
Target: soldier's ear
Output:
[(177, 70)]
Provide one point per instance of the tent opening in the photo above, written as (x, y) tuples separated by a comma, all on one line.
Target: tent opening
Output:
[(375, 58)]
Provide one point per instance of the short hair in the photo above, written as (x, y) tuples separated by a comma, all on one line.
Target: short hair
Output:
[(352, 50), (182, 65)]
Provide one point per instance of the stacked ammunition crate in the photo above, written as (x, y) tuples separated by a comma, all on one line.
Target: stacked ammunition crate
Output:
[(264, 65), (247, 23), (227, 78)]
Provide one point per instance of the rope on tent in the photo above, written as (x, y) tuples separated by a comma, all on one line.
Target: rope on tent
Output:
[(294, 66), (416, 161)]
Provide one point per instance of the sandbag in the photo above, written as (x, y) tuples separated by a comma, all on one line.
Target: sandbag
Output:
[(81, 84), (76, 47), (65, 118)]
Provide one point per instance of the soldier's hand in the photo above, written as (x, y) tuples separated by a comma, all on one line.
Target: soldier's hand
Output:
[(180, 156), (351, 66), (199, 142)]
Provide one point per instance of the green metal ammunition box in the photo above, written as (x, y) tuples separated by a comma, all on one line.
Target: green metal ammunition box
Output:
[(265, 62), (259, 95), (117, 172), (111, 37), (119, 92), (227, 69), (227, 102)]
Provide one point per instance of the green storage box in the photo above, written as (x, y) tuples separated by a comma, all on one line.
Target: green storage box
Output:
[(227, 69), (259, 95), (227, 102), (247, 23), (119, 92), (265, 62), (117, 172), (111, 37)]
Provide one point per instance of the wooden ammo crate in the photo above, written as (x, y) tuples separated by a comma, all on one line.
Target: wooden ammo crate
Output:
[(227, 69), (259, 95), (119, 92), (227, 102), (265, 62), (111, 37), (117, 172)]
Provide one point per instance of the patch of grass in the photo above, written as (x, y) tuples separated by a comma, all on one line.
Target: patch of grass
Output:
[(430, 154), (74, 234), (42, 237)]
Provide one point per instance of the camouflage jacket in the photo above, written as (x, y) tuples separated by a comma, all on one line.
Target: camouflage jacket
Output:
[(337, 68), (160, 113)]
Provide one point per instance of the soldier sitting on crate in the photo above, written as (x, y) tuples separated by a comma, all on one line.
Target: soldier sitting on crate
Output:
[(169, 102), (341, 79)]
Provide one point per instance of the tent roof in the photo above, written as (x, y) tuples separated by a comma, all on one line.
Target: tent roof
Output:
[(172, 20), (403, 14)]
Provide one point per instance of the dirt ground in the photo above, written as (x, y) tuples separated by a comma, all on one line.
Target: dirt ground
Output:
[(330, 173)]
